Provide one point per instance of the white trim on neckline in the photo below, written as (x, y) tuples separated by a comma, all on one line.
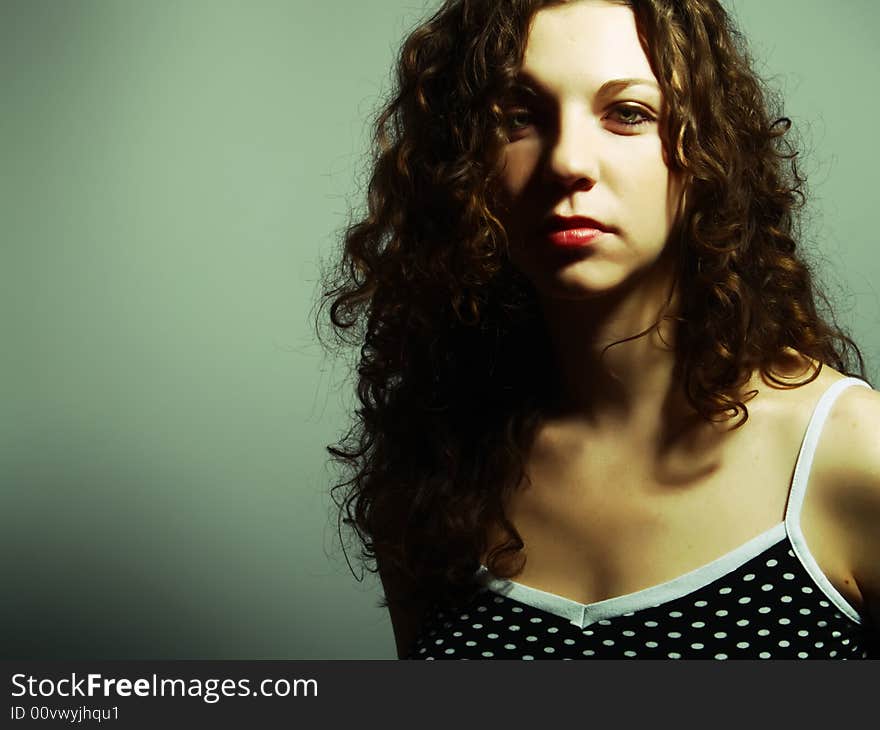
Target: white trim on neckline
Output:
[(584, 614)]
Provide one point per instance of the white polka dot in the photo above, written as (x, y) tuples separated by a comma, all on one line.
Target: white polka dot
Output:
[(535, 620), (429, 658), (698, 624), (784, 621), (477, 626), (835, 634), (513, 627), (492, 636), (764, 609), (608, 642), (767, 587), (744, 599), (824, 604), (498, 618), (604, 622), (588, 632), (845, 642), (588, 652), (422, 650), (629, 653), (439, 641), (749, 576), (772, 563), (720, 635), (764, 655), (803, 632), (568, 641), (700, 604), (498, 599), (786, 599), (516, 609), (819, 644), (456, 633), (805, 611), (802, 655), (763, 632), (742, 645), (674, 655), (742, 622), (528, 656), (783, 643), (721, 612), (510, 646), (628, 633), (806, 589), (450, 651), (552, 630), (675, 614), (821, 623), (721, 656), (531, 638), (788, 576), (725, 591), (651, 644), (482, 608), (674, 635), (696, 646), (832, 654), (630, 613), (470, 643), (465, 617), (549, 649), (650, 624)]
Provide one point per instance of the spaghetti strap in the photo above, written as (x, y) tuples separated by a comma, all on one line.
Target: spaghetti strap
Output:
[(798, 490), (808, 448)]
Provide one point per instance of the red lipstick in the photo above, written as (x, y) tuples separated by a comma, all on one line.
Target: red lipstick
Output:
[(575, 231)]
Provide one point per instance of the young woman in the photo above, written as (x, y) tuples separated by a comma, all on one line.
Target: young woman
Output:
[(603, 414)]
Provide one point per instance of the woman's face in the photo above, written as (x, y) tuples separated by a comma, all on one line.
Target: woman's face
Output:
[(584, 142)]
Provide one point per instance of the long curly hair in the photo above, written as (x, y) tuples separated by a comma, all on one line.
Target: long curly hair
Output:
[(453, 355)]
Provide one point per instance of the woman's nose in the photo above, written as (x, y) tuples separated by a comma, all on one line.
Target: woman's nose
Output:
[(574, 154)]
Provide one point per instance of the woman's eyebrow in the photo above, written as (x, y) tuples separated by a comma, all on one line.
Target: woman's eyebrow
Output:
[(529, 85), (617, 85)]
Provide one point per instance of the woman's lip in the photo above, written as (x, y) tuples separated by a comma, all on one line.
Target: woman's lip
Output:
[(574, 236)]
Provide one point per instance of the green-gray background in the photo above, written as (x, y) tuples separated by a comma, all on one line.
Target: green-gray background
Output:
[(170, 173)]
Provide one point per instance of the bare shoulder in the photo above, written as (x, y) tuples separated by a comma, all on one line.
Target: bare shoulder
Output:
[(848, 469), (844, 487), (850, 442)]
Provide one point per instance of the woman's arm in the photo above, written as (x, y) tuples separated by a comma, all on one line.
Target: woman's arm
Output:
[(852, 435), (405, 618)]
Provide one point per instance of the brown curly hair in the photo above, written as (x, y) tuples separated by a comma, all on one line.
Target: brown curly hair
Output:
[(453, 352)]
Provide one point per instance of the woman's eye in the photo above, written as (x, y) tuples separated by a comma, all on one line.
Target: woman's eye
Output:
[(518, 119), (631, 116)]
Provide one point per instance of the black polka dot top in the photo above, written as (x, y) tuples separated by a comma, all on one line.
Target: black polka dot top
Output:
[(767, 599)]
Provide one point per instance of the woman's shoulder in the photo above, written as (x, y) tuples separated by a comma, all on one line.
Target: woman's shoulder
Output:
[(848, 450), (845, 479)]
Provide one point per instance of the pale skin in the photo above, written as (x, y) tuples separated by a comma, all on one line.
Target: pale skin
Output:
[(623, 468)]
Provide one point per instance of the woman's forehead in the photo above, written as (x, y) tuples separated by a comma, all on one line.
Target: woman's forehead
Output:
[(587, 40)]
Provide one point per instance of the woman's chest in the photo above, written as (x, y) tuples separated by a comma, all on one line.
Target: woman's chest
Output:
[(603, 522)]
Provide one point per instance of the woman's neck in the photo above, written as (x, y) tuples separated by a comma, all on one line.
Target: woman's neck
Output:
[(633, 384)]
